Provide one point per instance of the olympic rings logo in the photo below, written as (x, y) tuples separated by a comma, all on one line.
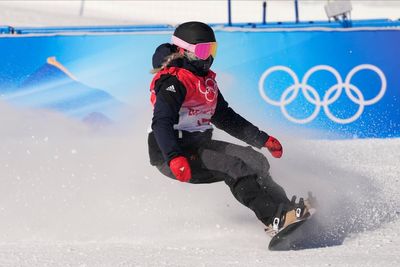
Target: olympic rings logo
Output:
[(210, 90), (331, 95)]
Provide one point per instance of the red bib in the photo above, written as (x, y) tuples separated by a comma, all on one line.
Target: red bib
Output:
[(200, 100)]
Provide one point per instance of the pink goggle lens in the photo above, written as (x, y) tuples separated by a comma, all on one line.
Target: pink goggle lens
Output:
[(204, 50)]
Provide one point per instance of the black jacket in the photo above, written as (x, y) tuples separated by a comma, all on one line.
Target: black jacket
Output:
[(164, 142)]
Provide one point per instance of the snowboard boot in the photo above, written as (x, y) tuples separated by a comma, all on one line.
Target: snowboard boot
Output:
[(287, 214)]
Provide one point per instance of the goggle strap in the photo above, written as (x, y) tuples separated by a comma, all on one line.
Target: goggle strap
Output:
[(179, 42)]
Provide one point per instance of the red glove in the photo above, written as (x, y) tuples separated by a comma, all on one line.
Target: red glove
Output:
[(180, 168), (274, 147)]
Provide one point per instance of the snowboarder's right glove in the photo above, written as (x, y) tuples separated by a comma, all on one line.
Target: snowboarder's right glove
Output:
[(180, 168), (274, 147)]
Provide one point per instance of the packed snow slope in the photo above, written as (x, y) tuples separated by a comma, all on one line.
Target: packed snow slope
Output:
[(72, 196)]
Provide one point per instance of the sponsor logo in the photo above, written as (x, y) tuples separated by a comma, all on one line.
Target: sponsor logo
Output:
[(195, 112), (171, 88), (331, 95)]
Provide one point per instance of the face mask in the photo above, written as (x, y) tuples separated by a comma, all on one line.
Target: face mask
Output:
[(202, 65)]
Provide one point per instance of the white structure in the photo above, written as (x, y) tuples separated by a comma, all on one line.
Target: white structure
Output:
[(339, 10)]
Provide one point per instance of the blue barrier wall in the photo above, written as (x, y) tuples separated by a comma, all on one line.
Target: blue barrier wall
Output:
[(335, 82)]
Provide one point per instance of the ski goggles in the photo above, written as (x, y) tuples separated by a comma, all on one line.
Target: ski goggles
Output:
[(201, 50)]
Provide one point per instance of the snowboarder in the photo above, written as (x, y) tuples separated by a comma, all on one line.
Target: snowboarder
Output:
[(186, 103)]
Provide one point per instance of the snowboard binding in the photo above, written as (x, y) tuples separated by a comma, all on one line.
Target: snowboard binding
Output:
[(290, 213)]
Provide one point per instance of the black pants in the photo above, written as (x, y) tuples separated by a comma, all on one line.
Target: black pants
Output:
[(243, 169)]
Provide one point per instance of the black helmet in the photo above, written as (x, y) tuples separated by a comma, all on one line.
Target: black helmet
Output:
[(194, 32)]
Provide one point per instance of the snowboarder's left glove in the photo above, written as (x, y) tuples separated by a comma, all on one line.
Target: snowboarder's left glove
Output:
[(274, 147)]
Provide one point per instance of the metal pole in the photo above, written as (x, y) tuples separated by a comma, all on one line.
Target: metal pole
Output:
[(296, 10), (82, 8), (264, 19), (229, 13)]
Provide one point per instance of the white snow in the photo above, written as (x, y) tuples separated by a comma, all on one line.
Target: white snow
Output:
[(72, 197)]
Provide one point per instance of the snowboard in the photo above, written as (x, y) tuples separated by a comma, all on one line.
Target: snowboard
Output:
[(293, 236), (317, 231)]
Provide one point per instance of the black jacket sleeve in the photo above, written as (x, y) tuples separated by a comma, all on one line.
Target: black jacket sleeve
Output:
[(226, 119), (170, 94)]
